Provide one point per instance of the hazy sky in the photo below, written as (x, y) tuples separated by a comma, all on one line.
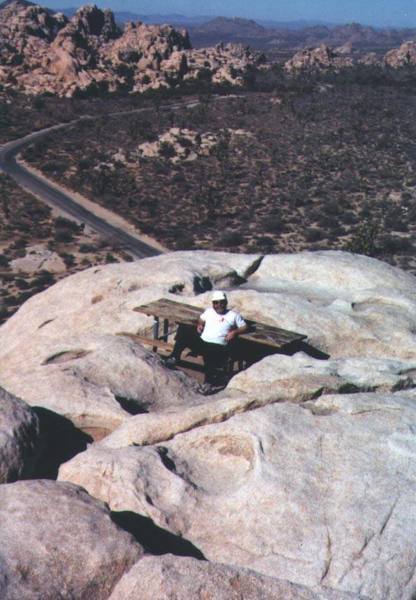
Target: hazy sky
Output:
[(372, 12)]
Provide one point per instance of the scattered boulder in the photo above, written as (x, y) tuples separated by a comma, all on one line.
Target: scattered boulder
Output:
[(169, 577), (405, 56), (38, 258), (19, 438), (58, 542)]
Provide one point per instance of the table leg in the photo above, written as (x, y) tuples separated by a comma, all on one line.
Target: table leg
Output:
[(165, 330), (155, 332)]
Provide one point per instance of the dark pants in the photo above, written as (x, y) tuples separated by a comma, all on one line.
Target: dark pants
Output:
[(216, 356)]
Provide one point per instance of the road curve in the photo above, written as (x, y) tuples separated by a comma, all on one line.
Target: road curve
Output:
[(64, 201), (46, 191)]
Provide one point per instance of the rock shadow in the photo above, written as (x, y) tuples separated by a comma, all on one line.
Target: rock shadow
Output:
[(132, 406), (252, 352), (154, 539), (61, 442)]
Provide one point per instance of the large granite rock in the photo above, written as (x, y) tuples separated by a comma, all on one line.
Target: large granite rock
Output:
[(171, 577), (278, 473), (350, 307), (76, 365), (320, 494), (58, 542), (19, 438)]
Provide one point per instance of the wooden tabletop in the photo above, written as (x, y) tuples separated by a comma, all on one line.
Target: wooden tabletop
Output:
[(187, 314)]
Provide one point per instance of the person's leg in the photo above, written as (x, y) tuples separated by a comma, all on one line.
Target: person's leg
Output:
[(186, 337), (221, 365), (215, 363)]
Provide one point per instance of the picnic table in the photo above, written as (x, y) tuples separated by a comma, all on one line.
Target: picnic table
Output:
[(260, 339)]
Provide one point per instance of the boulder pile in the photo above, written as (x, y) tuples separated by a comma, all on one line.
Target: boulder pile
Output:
[(324, 57), (295, 481), (44, 52), (180, 144)]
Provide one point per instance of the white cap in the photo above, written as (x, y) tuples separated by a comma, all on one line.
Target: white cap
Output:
[(218, 296)]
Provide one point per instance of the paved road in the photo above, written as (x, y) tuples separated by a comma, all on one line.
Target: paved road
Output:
[(65, 201)]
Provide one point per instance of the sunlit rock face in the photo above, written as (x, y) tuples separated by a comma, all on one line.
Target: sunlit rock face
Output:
[(299, 470), (42, 51)]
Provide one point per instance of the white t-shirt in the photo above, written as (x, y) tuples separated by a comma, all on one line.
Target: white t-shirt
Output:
[(217, 326)]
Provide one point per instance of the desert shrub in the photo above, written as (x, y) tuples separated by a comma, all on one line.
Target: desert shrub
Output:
[(63, 223), (63, 235), (274, 225), (85, 163), (86, 248), (22, 284), (167, 150), (4, 313), (313, 235), (233, 238), (53, 166), (23, 297), (328, 221), (348, 217), (68, 259), (185, 242), (393, 244), (4, 261), (10, 300), (44, 278), (19, 243), (364, 238), (264, 240)]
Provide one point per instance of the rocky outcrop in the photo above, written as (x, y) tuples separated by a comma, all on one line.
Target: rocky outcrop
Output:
[(182, 144), (320, 494), (19, 438), (299, 470), (320, 58), (69, 375), (42, 51), (405, 56), (370, 60), (324, 57), (58, 542)]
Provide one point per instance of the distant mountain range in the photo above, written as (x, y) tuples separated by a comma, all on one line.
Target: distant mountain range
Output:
[(272, 35), (175, 19)]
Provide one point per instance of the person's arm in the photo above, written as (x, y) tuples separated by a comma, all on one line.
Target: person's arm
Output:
[(201, 322), (233, 333), (200, 326), (242, 327)]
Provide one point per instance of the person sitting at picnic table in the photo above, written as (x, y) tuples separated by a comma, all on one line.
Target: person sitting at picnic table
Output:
[(217, 327)]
